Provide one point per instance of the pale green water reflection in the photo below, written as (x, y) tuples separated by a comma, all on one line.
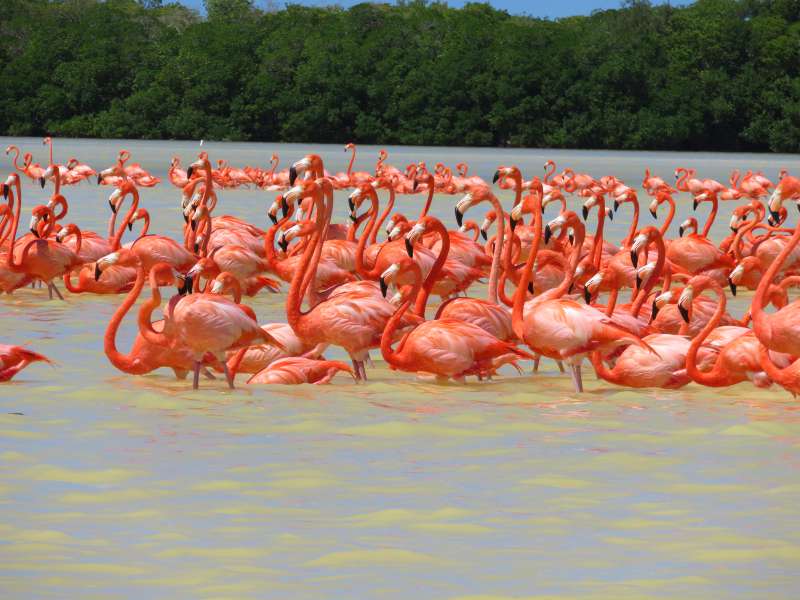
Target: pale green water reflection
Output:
[(114, 486)]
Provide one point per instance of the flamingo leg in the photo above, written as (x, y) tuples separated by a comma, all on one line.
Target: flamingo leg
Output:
[(196, 380), (228, 375), (356, 369), (363, 370), (208, 374), (560, 366), (576, 378), (536, 361), (49, 292), (52, 286)]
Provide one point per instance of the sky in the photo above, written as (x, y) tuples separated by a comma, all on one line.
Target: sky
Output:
[(536, 8)]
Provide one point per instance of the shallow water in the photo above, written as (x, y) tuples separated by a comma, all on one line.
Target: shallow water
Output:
[(115, 486)]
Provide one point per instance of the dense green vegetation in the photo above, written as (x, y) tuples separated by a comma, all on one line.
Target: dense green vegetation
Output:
[(719, 74)]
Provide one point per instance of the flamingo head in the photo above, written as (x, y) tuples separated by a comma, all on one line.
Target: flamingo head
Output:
[(690, 223), (463, 206), (388, 276), (591, 286), (685, 302)]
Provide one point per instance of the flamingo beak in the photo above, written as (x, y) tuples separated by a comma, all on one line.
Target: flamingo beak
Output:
[(190, 172), (284, 245), (99, 178), (775, 215), (530, 287), (695, 204), (41, 182), (681, 230), (459, 217), (409, 248), (193, 225), (638, 281), (384, 287), (414, 185), (684, 312), (571, 237), (292, 175), (616, 205), (496, 176), (585, 212), (351, 204), (273, 218), (548, 233), (112, 206), (587, 295), (97, 272), (130, 226), (654, 312), (188, 284), (5, 190), (634, 258), (485, 236), (732, 286)]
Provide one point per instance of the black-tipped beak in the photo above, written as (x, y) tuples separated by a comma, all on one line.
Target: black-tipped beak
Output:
[(571, 237), (193, 225), (97, 272), (130, 226), (189, 172), (34, 232), (611, 216), (185, 218), (530, 287), (680, 231), (273, 218), (112, 207), (732, 286), (99, 179), (654, 213), (513, 223), (770, 222), (292, 175), (496, 176), (459, 217), (638, 282), (351, 204), (775, 216), (284, 245), (587, 295), (484, 235), (409, 247), (634, 258), (196, 247), (616, 205), (694, 204), (684, 312), (41, 182), (353, 217), (384, 287), (5, 191), (735, 229), (188, 284), (585, 212), (284, 206), (654, 312), (414, 185), (548, 233), (571, 287)]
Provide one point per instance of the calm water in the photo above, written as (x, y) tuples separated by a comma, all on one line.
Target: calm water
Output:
[(115, 486)]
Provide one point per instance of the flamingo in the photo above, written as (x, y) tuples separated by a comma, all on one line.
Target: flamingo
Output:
[(294, 370), (736, 354), (352, 318), (445, 348), (15, 358)]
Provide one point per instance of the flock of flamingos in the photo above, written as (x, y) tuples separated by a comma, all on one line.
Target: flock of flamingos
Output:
[(346, 288)]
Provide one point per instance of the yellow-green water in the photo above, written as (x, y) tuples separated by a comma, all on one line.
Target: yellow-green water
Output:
[(115, 486)]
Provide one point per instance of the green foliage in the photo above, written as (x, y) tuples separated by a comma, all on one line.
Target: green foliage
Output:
[(715, 75)]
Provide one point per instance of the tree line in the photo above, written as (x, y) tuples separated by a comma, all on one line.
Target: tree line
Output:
[(714, 75)]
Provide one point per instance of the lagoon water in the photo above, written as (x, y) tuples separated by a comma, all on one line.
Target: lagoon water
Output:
[(116, 486)]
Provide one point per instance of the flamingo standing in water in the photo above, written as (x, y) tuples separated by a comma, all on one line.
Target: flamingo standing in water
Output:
[(352, 317), (444, 348)]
